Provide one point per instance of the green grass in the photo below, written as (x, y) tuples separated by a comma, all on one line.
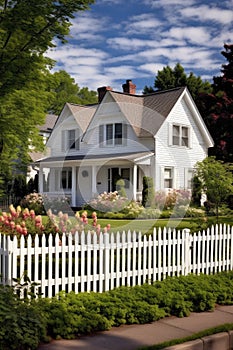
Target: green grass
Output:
[(146, 226), (210, 331)]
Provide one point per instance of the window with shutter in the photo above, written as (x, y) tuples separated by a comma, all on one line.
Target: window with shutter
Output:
[(112, 134), (70, 140)]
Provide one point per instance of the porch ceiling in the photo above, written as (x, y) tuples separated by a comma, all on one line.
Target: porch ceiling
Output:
[(135, 157)]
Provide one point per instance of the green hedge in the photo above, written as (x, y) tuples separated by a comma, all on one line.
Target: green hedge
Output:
[(68, 315)]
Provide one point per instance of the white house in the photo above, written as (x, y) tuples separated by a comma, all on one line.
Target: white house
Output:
[(161, 135), (45, 132)]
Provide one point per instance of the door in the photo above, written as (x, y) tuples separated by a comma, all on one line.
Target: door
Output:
[(113, 177)]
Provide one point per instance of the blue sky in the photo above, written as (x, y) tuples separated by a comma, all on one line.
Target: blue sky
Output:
[(132, 39)]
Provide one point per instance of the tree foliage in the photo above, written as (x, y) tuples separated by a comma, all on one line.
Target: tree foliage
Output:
[(216, 180), (217, 109), (169, 78), (28, 28), (66, 90)]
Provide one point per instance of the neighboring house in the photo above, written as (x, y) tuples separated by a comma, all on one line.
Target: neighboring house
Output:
[(45, 132), (161, 135)]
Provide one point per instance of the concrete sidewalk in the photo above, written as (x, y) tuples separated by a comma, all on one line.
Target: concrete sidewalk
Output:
[(133, 337)]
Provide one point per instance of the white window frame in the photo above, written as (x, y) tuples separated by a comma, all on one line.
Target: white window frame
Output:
[(67, 179), (70, 140), (189, 174), (170, 178), (109, 136), (182, 138)]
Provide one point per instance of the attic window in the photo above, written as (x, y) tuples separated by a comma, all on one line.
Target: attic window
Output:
[(70, 140), (180, 135), (112, 134)]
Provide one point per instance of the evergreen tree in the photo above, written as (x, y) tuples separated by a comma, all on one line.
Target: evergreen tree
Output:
[(169, 78)]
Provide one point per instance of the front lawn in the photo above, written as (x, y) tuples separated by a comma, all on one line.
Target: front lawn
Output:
[(146, 226)]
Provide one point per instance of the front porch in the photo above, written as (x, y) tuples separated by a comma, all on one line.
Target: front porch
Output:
[(83, 179)]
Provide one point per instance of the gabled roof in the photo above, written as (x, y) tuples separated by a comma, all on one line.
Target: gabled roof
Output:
[(82, 114), (146, 113), (50, 121)]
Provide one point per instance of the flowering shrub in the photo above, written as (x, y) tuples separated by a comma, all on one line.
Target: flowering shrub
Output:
[(33, 201), (109, 202), (40, 203), (149, 213), (56, 204), (172, 198), (23, 222), (133, 209), (160, 199), (62, 223)]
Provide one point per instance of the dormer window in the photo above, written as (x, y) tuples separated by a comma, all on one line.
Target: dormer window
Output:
[(112, 134), (70, 140)]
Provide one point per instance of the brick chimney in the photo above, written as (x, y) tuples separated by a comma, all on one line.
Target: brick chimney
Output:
[(129, 87), (101, 92)]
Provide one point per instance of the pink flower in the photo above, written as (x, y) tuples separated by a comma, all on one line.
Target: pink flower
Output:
[(12, 225), (24, 231), (65, 217), (18, 228), (32, 213), (38, 219)]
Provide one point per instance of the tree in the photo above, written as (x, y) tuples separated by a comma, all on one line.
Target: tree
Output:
[(169, 78), (148, 192), (216, 180), (217, 109), (66, 90), (27, 30)]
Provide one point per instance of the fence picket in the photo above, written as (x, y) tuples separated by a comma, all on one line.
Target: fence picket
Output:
[(91, 262)]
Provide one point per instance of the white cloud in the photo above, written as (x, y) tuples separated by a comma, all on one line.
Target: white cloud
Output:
[(194, 35), (152, 68), (88, 27), (208, 13), (110, 2), (166, 3), (110, 46), (126, 71), (142, 24)]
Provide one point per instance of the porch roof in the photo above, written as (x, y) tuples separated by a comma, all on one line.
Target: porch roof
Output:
[(133, 156)]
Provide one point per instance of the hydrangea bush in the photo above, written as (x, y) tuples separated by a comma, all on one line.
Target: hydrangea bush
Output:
[(40, 203), (109, 202), (20, 221)]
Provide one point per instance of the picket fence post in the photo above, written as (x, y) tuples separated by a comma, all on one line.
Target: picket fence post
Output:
[(106, 261), (187, 252)]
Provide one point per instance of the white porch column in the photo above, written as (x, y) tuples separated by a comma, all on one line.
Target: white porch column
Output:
[(74, 186), (41, 187), (135, 169), (93, 180)]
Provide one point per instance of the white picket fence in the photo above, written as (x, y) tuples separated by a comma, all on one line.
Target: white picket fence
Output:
[(91, 262)]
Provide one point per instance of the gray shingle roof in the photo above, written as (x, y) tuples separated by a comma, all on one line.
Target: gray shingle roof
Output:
[(146, 113), (50, 121), (82, 114)]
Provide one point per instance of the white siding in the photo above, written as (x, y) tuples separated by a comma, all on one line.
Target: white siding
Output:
[(180, 158)]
